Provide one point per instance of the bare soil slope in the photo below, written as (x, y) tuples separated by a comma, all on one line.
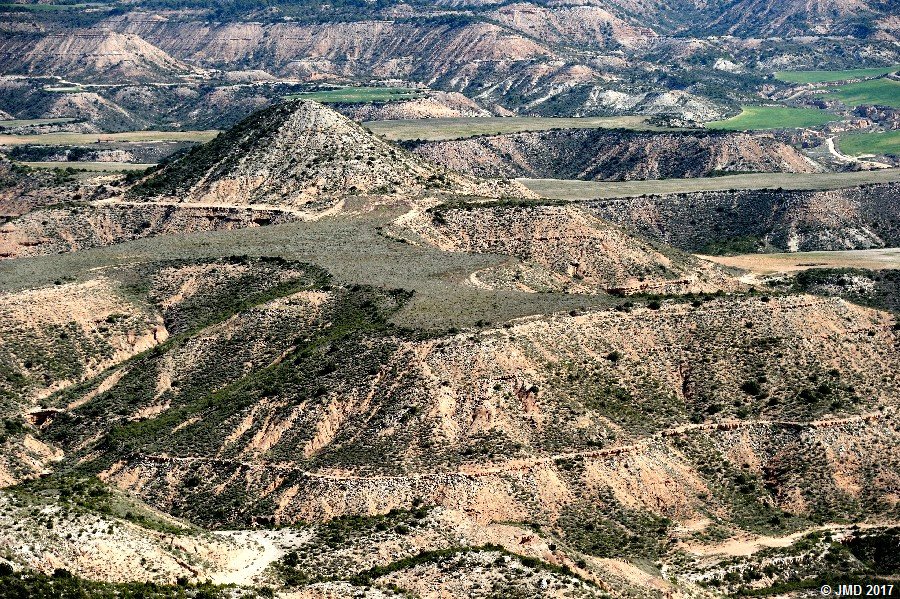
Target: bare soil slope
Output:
[(562, 248), (616, 156)]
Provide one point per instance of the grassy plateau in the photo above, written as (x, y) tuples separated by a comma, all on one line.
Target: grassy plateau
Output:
[(829, 76), (883, 92), (77, 139), (856, 144), (563, 189), (102, 167), (772, 117), (33, 122)]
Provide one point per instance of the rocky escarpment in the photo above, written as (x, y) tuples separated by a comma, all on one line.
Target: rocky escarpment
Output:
[(93, 55), (68, 229), (302, 154), (750, 220), (561, 248), (616, 156)]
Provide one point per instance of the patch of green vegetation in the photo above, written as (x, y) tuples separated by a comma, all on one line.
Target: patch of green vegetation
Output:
[(89, 494), (881, 92), (874, 288), (262, 280), (856, 144), (438, 213), (879, 550), (10, 123), (358, 95), (743, 494), (439, 555), (10, 427), (303, 566), (829, 76), (63, 585), (791, 587), (745, 244), (612, 530), (773, 117), (348, 342), (810, 562)]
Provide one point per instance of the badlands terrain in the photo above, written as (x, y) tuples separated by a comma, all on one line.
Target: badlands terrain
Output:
[(449, 299)]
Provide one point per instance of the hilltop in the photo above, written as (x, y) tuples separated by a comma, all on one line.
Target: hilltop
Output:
[(301, 154)]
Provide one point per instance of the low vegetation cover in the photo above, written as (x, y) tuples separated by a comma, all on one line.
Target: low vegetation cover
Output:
[(61, 584), (879, 92), (876, 288), (358, 95), (829, 76), (883, 142), (773, 117), (435, 129)]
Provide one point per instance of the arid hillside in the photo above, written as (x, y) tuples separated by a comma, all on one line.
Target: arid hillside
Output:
[(745, 221), (301, 154), (620, 416), (94, 55), (562, 248), (79, 227), (607, 155)]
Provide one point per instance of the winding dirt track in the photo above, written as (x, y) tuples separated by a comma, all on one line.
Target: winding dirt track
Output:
[(526, 464)]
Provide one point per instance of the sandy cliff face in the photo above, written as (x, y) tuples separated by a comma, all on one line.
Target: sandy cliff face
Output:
[(88, 54), (380, 48)]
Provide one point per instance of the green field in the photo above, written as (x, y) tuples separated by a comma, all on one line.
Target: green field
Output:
[(31, 122), (772, 117), (358, 95), (563, 189), (828, 76), (459, 128), (79, 139), (102, 167), (884, 92), (856, 144)]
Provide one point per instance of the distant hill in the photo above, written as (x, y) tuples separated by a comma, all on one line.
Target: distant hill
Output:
[(94, 55)]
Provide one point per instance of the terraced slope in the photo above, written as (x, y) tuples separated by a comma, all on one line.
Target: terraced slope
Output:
[(551, 447), (549, 407)]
